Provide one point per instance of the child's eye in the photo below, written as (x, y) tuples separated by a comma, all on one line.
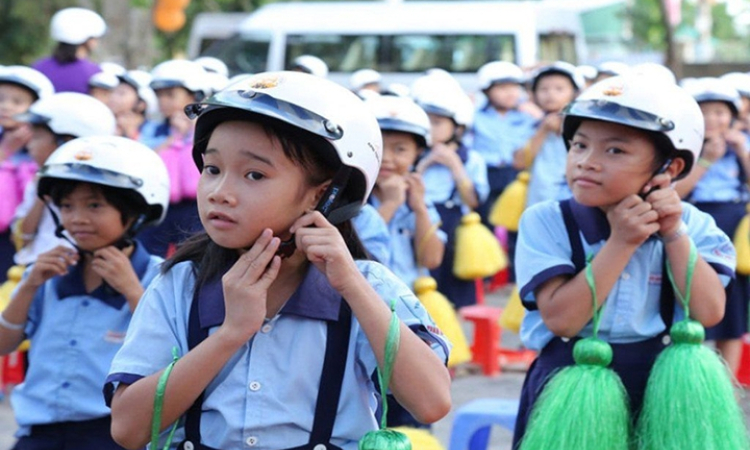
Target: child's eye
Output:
[(95, 205), (577, 145), (614, 150), (255, 176), (211, 170)]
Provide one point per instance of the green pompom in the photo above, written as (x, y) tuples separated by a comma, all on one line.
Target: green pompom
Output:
[(690, 401), (687, 332), (384, 440), (592, 351), (583, 407)]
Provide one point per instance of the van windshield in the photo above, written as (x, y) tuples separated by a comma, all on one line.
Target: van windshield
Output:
[(408, 53), (242, 54)]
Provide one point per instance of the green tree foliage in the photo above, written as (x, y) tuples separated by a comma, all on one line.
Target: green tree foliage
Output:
[(24, 29)]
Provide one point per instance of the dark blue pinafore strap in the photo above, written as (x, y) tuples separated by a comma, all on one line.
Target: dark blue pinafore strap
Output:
[(329, 392)]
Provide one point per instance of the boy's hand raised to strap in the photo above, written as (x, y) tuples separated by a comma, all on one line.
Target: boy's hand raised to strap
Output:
[(632, 221), (666, 202), (324, 246), (246, 286), (50, 264)]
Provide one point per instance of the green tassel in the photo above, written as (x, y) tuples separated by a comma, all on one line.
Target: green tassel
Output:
[(384, 440), (690, 401), (584, 407)]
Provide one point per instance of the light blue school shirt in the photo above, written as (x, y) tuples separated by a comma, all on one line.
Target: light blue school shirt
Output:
[(401, 229), (373, 233), (721, 182), (631, 310), (74, 336), (440, 187), (497, 136), (152, 133), (547, 180), (267, 392)]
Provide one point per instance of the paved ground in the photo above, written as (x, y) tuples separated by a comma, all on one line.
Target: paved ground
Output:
[(466, 388)]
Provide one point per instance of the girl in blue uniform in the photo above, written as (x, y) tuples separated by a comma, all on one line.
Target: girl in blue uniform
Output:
[(628, 138), (455, 176), (75, 307), (718, 186), (279, 324)]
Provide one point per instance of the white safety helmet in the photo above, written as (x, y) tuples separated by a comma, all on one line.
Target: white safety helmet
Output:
[(29, 78), (711, 89), (112, 67), (587, 72), (310, 64), (180, 73), (739, 81), (401, 114), (641, 102), (71, 114), (140, 80), (75, 26), (444, 97), (612, 68), (560, 68), (111, 161), (654, 71), (215, 82), (363, 77), (497, 72), (313, 104), (104, 80), (213, 65), (397, 89)]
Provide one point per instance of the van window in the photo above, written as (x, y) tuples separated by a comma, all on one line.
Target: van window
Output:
[(242, 54), (557, 47), (409, 53)]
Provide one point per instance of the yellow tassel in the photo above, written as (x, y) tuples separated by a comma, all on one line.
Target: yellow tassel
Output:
[(421, 439), (442, 312), (14, 277), (478, 253), (742, 245), (506, 212), (513, 312)]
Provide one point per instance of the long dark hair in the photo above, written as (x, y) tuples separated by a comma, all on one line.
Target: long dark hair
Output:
[(65, 53), (311, 152)]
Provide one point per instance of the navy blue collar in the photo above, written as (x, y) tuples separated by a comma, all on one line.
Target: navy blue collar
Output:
[(314, 299), (71, 285), (591, 221)]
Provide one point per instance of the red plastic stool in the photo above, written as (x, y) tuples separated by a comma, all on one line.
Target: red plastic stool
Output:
[(743, 372), (485, 347), (13, 369)]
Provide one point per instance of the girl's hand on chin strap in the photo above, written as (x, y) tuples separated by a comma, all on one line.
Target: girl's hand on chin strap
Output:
[(246, 287), (667, 204), (324, 246), (632, 221)]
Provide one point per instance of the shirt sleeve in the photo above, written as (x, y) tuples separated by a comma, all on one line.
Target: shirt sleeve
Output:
[(159, 324), (409, 310), (476, 168), (538, 260), (712, 243)]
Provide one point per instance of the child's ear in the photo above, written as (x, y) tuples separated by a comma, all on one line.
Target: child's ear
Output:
[(676, 167), (319, 191)]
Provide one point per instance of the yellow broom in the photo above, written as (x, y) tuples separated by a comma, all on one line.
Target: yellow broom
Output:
[(507, 210), (421, 439), (512, 314), (478, 252), (6, 289), (742, 245), (442, 312)]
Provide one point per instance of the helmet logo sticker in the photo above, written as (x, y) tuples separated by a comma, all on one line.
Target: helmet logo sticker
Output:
[(83, 155), (266, 82), (614, 90), (375, 150)]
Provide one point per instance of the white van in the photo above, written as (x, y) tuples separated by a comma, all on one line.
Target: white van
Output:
[(400, 39)]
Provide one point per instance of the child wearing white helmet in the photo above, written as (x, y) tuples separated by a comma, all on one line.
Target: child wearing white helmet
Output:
[(54, 121), (741, 82), (553, 86), (77, 32), (133, 102), (455, 176), (177, 83), (500, 128), (628, 138), (365, 80), (20, 87), (102, 84), (718, 185), (310, 64), (75, 306), (286, 160)]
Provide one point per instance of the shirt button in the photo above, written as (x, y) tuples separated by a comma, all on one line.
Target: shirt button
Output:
[(85, 303), (625, 276), (320, 447), (73, 343), (66, 385), (254, 386), (188, 445), (266, 328), (251, 441), (666, 340)]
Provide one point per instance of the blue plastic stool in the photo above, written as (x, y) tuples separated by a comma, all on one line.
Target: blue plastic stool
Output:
[(473, 421)]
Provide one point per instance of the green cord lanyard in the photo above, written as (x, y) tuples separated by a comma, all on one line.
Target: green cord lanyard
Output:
[(391, 347), (597, 316), (685, 299), (161, 387)]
